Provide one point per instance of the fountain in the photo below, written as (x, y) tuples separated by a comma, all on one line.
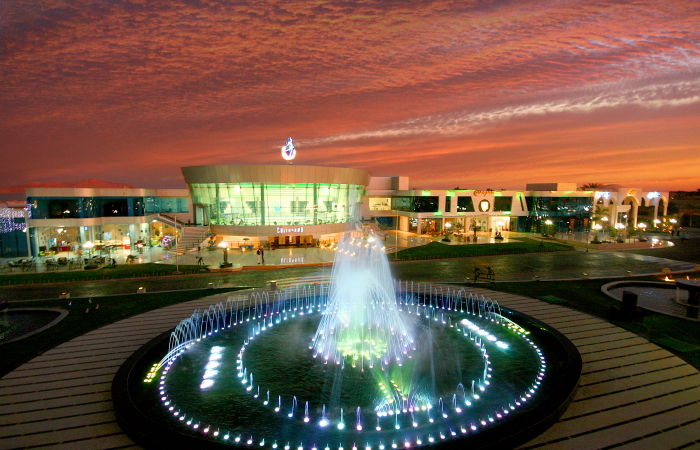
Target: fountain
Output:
[(362, 361)]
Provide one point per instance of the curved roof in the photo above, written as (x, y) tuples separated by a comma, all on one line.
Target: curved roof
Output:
[(274, 174)]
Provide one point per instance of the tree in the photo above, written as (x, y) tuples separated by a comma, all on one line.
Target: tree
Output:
[(600, 213), (590, 186)]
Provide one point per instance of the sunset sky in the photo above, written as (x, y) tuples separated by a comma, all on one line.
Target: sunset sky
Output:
[(471, 94)]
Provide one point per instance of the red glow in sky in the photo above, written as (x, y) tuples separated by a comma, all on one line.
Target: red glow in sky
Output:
[(474, 94)]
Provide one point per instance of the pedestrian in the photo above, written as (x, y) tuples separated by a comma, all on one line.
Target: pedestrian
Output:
[(114, 262), (200, 261), (262, 254), (259, 253)]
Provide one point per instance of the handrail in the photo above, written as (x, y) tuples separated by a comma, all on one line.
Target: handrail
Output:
[(174, 220), (200, 238)]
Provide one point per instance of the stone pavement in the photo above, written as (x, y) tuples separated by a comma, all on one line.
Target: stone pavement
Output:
[(545, 266), (656, 297), (632, 393)]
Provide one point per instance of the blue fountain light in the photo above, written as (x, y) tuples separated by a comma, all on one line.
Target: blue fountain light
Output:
[(365, 331)]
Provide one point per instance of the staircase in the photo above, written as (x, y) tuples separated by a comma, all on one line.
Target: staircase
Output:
[(191, 237)]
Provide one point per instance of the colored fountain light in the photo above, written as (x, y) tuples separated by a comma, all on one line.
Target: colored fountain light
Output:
[(362, 323), (363, 361)]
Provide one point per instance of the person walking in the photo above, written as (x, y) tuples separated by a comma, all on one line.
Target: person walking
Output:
[(261, 254)]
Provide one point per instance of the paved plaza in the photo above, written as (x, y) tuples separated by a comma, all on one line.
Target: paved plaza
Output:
[(305, 261), (632, 393)]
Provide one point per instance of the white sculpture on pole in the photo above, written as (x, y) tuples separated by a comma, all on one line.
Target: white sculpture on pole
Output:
[(288, 151)]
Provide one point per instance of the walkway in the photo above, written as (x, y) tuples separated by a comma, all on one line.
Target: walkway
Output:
[(546, 266), (632, 395), (662, 299)]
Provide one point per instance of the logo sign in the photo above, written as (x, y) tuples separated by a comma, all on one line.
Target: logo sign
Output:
[(288, 151), (297, 260), (486, 192), (484, 205), (287, 230)]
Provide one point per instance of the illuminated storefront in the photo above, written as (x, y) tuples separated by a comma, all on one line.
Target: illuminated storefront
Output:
[(275, 200), (64, 219), (261, 204), (296, 205)]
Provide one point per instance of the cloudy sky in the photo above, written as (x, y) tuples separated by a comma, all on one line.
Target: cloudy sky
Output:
[(470, 93)]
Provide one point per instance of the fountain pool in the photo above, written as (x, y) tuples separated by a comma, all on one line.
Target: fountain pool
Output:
[(330, 366)]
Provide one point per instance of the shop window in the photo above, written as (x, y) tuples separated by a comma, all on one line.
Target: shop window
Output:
[(379, 204), (425, 204), (503, 204), (401, 203), (465, 204)]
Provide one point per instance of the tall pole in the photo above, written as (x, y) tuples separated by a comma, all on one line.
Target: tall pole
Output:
[(27, 233), (177, 260), (396, 235)]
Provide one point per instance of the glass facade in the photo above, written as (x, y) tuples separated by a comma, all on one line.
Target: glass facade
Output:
[(416, 204), (271, 204), (567, 213), (465, 204), (155, 205), (503, 204), (379, 204), (13, 233), (85, 207), (89, 207)]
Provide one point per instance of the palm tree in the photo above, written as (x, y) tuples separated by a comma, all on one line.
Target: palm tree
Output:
[(591, 186), (600, 213)]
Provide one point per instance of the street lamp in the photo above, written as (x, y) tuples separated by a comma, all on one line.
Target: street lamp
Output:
[(89, 245), (643, 227), (224, 247), (597, 227), (448, 227), (548, 223)]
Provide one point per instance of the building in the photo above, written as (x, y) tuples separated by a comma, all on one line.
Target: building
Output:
[(542, 208), (296, 205), (281, 204), (65, 219)]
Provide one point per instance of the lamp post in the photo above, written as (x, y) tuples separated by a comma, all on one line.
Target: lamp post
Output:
[(59, 232), (548, 224), (620, 230), (224, 246), (643, 227), (597, 227), (447, 227), (89, 245)]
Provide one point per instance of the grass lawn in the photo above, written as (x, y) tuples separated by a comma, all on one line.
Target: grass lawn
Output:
[(583, 295), (586, 296), (105, 273), (79, 322), (437, 250)]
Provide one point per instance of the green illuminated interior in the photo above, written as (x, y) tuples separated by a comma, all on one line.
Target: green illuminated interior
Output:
[(275, 204)]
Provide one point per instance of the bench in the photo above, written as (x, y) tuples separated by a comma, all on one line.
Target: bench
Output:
[(488, 275)]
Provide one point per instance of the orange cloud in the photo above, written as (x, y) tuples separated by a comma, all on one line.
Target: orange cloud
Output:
[(451, 92)]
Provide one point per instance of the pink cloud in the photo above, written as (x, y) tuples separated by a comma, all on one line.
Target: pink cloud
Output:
[(138, 89)]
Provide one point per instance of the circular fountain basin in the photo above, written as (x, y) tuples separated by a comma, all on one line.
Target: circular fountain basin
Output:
[(482, 376), (19, 323)]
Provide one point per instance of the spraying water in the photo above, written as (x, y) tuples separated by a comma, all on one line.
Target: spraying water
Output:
[(362, 325)]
